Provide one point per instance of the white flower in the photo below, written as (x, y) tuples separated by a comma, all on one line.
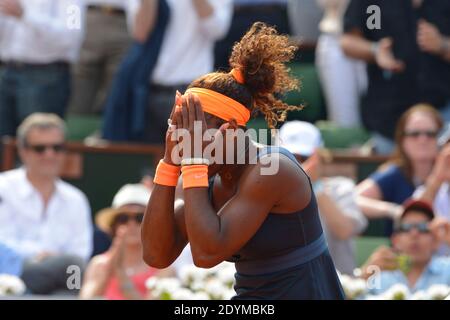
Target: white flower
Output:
[(215, 289), (200, 296), (150, 284), (226, 276), (344, 279), (200, 273), (419, 295), (353, 288), (11, 285), (190, 273), (226, 265), (214, 271), (358, 288), (183, 294), (397, 292), (169, 284), (228, 294), (438, 292), (197, 286), (374, 297), (185, 274), (165, 288)]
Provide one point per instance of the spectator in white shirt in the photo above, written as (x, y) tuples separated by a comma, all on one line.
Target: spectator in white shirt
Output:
[(38, 41), (186, 53), (304, 19), (45, 220), (108, 30), (341, 218), (343, 79)]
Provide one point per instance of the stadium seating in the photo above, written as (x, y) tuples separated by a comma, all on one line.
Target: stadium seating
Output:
[(366, 245)]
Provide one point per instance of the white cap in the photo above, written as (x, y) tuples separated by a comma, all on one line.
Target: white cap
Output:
[(131, 194), (300, 137)]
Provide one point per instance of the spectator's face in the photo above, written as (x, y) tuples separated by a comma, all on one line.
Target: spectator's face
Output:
[(419, 142), (420, 246), (130, 218), (43, 153)]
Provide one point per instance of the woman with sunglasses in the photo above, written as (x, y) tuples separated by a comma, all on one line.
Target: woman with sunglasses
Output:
[(381, 195), (249, 204), (120, 273)]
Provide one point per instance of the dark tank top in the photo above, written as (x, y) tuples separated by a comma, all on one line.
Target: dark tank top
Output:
[(287, 247)]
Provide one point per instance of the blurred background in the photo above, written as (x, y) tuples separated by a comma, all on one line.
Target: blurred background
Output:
[(375, 85)]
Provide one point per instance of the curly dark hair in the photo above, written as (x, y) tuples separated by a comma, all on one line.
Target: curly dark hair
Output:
[(261, 56)]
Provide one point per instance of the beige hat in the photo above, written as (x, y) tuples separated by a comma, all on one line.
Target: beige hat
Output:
[(128, 194)]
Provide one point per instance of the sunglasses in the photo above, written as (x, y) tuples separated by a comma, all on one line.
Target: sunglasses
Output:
[(123, 218), (417, 133), (41, 148), (407, 227)]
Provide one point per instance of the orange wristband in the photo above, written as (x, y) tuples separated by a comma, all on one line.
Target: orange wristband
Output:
[(195, 176), (166, 174)]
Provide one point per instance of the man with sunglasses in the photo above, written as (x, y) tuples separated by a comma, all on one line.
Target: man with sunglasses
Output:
[(47, 221), (415, 240)]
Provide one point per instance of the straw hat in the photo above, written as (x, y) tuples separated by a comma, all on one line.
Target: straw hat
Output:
[(128, 194)]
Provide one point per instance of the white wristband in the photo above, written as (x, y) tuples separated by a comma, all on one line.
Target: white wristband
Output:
[(194, 161)]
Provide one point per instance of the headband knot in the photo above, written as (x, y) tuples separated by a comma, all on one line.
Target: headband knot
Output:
[(238, 75)]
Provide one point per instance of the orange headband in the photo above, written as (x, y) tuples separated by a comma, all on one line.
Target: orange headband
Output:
[(222, 106), (237, 75)]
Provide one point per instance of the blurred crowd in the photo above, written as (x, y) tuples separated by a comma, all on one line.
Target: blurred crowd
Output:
[(386, 69)]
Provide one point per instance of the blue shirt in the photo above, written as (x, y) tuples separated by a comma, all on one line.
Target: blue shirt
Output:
[(436, 272), (394, 185), (10, 261)]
